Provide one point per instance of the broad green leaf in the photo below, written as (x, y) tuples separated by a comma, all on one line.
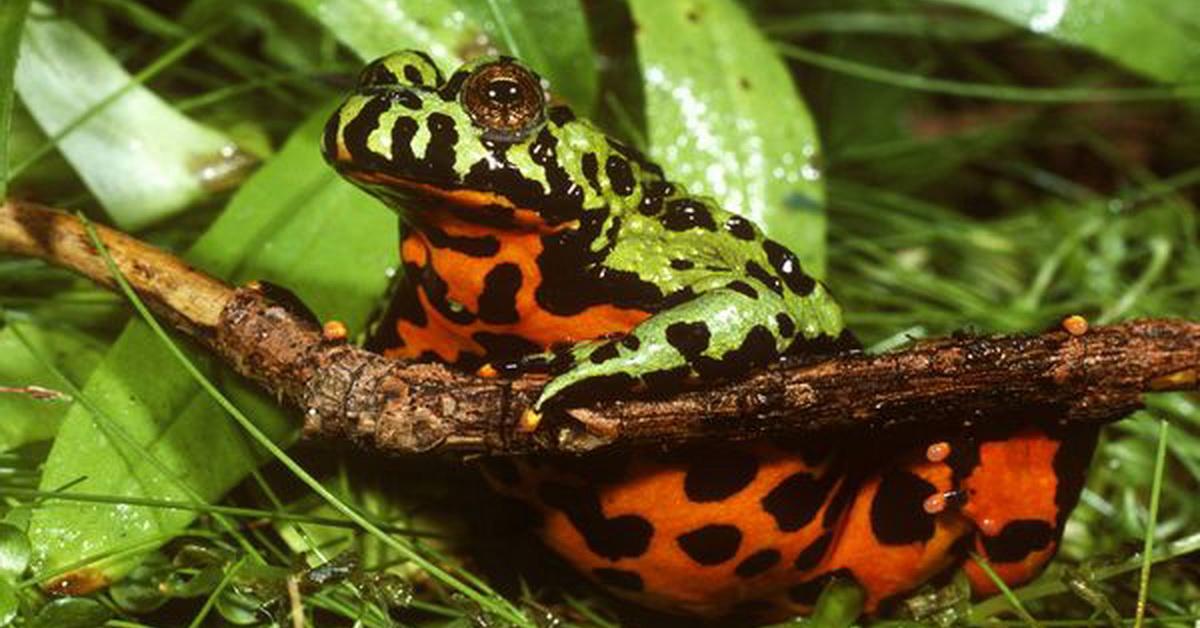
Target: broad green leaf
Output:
[(725, 119), (141, 158), (12, 19), (71, 612), (551, 35), (14, 551), (28, 417), (373, 28), (295, 224), (1155, 37)]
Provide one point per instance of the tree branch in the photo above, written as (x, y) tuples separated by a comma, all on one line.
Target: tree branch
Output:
[(349, 394)]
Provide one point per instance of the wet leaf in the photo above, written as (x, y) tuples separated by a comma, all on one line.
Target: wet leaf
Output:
[(550, 35), (726, 120), (140, 157), (1154, 37), (71, 612), (14, 551), (12, 20), (35, 408), (10, 604)]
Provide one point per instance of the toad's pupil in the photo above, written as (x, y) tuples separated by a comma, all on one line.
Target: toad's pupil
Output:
[(503, 91)]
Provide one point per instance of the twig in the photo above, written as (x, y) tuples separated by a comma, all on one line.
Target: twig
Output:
[(349, 394)]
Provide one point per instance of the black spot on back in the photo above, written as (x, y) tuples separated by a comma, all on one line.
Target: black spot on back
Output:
[(619, 175), (624, 536), (787, 327), (591, 171), (757, 349), (412, 74), (498, 301), (619, 578), (686, 213), (757, 563), (739, 227), (1018, 540), (603, 353), (682, 264), (758, 272), (719, 473), (788, 267), (795, 501), (356, 132), (898, 514), (690, 339), (712, 544), (560, 115), (743, 288)]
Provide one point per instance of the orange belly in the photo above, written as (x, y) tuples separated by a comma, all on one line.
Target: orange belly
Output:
[(746, 528)]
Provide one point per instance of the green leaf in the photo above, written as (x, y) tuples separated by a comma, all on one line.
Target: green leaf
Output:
[(10, 604), (551, 35), (295, 224), (14, 551), (725, 119), (142, 159), (71, 612), (12, 20), (1154, 37), (34, 416), (373, 28)]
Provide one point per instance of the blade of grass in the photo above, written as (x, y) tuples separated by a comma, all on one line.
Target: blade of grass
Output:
[(209, 603), (1160, 460), (1005, 590), (1010, 93), (484, 597), (12, 20)]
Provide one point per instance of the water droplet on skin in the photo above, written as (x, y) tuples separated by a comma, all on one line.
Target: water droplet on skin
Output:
[(935, 503), (989, 526)]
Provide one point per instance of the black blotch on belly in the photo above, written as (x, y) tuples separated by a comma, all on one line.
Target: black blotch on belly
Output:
[(502, 470), (619, 578), (690, 339), (472, 246), (712, 544), (686, 213), (795, 501), (812, 451), (498, 301), (757, 563), (624, 536), (788, 267), (1018, 540), (717, 474), (437, 290), (898, 514), (1075, 448), (504, 347), (810, 556)]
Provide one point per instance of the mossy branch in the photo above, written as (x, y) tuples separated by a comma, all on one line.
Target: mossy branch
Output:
[(348, 394)]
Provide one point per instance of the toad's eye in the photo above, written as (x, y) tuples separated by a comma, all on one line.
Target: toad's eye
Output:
[(505, 100)]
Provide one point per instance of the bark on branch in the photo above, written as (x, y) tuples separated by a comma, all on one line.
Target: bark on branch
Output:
[(348, 394)]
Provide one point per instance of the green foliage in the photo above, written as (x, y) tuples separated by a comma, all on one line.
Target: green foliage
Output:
[(724, 119), (12, 20), (982, 165)]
